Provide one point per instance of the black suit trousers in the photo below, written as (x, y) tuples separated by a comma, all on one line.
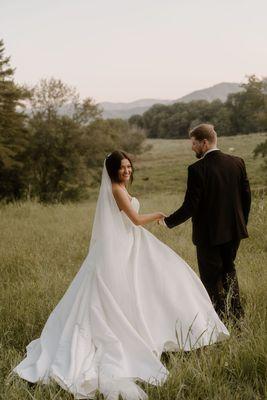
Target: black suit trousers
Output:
[(218, 274)]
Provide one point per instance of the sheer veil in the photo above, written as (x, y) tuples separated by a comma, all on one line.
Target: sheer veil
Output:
[(108, 219)]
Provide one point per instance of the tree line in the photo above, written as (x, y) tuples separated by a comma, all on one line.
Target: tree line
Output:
[(52, 143), (243, 112)]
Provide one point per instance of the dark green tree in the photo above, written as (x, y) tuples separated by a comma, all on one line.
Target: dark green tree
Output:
[(55, 166), (136, 120), (103, 136), (13, 133), (248, 108), (152, 119)]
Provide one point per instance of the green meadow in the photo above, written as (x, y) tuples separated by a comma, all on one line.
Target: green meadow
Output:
[(43, 246)]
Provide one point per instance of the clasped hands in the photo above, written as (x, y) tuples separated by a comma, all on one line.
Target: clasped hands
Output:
[(161, 219)]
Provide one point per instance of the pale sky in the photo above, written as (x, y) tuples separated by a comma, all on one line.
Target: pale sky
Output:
[(123, 50)]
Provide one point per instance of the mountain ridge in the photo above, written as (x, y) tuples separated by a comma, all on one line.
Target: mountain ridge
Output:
[(126, 110)]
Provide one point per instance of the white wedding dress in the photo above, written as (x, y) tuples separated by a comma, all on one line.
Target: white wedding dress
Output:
[(132, 299)]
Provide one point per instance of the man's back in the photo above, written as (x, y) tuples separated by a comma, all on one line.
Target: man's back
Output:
[(222, 211)]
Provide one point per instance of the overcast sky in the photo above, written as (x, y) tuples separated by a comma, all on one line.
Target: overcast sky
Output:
[(123, 50)]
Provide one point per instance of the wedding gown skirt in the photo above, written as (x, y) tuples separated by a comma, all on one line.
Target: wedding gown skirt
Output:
[(116, 318)]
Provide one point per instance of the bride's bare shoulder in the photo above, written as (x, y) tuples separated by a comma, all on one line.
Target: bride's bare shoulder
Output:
[(116, 187), (120, 194), (117, 190)]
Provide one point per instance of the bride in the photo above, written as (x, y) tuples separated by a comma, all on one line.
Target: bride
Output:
[(132, 299)]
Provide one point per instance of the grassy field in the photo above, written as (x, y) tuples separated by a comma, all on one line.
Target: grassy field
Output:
[(42, 247)]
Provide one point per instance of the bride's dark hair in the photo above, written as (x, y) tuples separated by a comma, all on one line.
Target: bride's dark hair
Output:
[(113, 164)]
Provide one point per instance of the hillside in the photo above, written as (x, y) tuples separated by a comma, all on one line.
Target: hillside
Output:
[(126, 110)]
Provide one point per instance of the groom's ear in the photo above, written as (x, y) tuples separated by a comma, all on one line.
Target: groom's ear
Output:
[(206, 143)]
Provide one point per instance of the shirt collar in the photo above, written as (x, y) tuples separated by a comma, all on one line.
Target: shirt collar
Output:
[(209, 151)]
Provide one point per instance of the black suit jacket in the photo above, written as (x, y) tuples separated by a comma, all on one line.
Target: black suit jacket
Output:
[(217, 198)]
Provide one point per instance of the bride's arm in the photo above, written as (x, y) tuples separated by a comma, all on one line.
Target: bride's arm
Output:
[(125, 205)]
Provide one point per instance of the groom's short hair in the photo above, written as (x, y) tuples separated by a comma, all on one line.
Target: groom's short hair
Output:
[(204, 131)]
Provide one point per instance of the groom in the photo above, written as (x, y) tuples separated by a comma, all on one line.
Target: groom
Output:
[(218, 201)]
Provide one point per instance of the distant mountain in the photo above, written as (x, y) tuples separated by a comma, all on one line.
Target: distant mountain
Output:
[(219, 91), (134, 104), (126, 110)]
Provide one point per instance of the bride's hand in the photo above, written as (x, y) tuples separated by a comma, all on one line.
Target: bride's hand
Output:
[(160, 216)]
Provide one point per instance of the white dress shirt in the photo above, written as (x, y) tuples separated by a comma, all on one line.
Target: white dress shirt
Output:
[(209, 151)]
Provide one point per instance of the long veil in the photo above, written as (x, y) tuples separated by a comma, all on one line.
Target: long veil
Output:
[(108, 221)]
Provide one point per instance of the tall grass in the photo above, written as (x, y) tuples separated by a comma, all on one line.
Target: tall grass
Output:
[(42, 247)]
